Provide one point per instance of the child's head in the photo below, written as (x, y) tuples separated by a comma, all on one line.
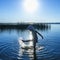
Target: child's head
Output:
[(31, 28)]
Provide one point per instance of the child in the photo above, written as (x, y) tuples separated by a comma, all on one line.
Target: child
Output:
[(34, 34)]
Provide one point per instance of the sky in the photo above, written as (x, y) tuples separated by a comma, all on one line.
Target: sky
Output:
[(17, 11)]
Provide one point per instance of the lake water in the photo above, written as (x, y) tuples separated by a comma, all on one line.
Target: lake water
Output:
[(10, 47)]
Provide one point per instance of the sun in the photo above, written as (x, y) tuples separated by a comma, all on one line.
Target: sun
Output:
[(30, 6)]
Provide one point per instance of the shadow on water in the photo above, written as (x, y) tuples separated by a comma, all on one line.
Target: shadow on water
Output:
[(10, 50)]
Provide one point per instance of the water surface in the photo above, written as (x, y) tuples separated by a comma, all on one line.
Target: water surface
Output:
[(10, 47)]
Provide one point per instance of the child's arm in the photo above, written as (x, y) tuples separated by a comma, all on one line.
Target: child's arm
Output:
[(39, 34), (26, 40)]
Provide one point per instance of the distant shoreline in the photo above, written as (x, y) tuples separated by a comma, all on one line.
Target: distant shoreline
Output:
[(22, 26), (27, 23), (41, 26)]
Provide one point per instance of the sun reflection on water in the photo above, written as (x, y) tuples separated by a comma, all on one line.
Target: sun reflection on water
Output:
[(30, 36)]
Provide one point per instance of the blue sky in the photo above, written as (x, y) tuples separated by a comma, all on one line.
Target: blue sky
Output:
[(11, 11)]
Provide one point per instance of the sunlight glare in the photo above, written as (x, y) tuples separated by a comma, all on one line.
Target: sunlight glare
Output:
[(30, 36), (30, 6)]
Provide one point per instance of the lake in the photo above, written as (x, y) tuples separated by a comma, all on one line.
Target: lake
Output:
[(10, 47)]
